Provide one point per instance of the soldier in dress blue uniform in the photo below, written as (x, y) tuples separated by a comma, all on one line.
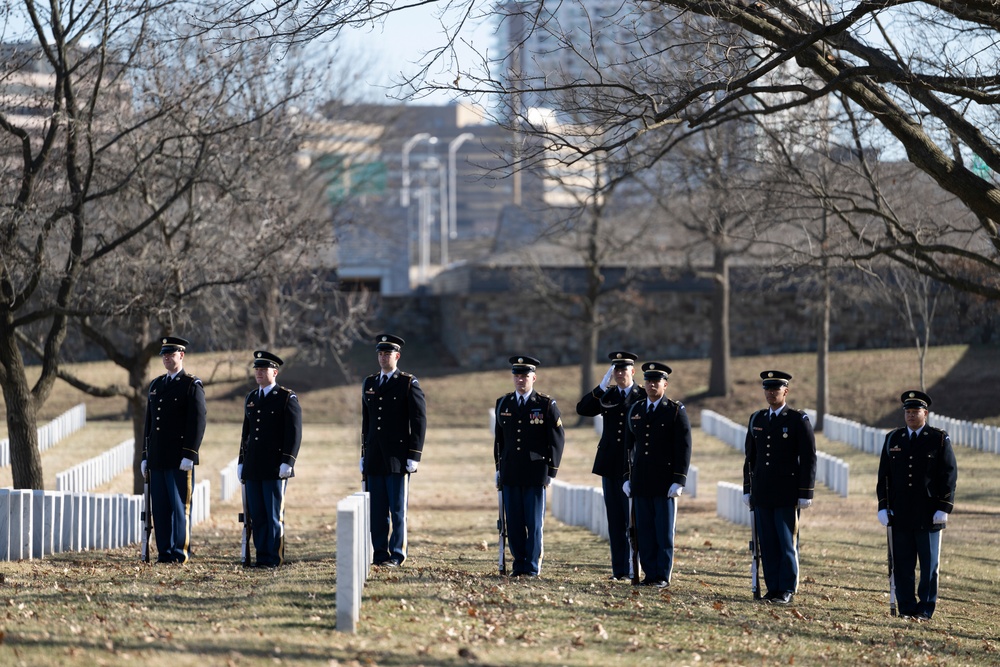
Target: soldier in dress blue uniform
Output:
[(393, 425), (916, 492), (779, 475), (611, 399), (658, 446), (175, 426), (527, 448), (269, 445)]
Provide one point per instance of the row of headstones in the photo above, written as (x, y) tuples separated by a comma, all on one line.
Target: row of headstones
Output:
[(354, 558), (98, 470), (68, 422), (869, 439), (981, 437), (832, 472), (34, 524), (229, 481), (583, 506)]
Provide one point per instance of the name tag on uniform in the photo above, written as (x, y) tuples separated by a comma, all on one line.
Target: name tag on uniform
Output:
[(506, 414)]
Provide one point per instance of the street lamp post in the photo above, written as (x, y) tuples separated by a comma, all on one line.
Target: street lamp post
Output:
[(404, 195), (452, 184)]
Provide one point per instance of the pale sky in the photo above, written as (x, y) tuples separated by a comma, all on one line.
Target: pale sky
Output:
[(395, 47)]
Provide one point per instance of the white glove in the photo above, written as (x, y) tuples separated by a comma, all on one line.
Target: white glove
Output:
[(239, 471), (883, 517), (675, 491), (496, 480), (805, 502), (548, 480), (627, 488), (187, 464), (361, 466), (940, 517), (284, 471), (411, 465), (606, 382), (142, 467), (746, 499)]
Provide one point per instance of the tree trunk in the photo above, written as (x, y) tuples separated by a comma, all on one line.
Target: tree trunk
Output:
[(137, 411), (22, 417), (823, 352), (720, 381), (588, 353)]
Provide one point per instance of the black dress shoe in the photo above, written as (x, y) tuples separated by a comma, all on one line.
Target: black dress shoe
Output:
[(391, 563), (782, 599), (618, 577)]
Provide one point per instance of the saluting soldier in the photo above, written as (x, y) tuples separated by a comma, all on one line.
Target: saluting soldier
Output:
[(174, 428), (917, 475), (659, 450), (393, 425), (527, 447), (779, 475), (269, 445), (611, 399)]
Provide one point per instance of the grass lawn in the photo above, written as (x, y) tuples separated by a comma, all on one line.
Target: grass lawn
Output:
[(447, 605)]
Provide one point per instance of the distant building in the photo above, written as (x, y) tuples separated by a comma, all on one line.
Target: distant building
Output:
[(390, 175)]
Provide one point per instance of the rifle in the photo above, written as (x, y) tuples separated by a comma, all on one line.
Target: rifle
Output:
[(755, 556), (502, 528), (892, 574), (633, 541), (244, 518), (147, 519)]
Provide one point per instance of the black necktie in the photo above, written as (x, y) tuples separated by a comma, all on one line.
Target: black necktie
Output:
[(382, 381), (260, 394), (623, 393), (166, 380), (520, 401), (913, 436)]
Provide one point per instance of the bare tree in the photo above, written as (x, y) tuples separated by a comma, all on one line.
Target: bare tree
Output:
[(595, 229), (133, 188), (718, 197)]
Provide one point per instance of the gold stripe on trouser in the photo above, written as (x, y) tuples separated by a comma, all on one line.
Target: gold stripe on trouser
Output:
[(541, 531), (189, 483), (406, 511), (795, 546), (281, 524), (672, 508)]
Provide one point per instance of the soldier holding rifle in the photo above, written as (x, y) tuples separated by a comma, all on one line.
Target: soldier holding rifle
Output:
[(527, 448), (659, 448), (269, 445), (393, 425), (174, 428), (612, 398), (917, 475), (779, 475)]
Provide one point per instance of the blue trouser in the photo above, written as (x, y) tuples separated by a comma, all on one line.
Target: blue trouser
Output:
[(389, 497), (907, 547), (616, 506), (170, 493), (524, 507), (656, 523), (266, 505), (778, 531)]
